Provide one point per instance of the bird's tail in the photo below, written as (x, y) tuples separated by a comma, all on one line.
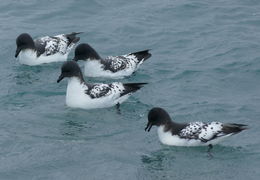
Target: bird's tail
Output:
[(142, 55), (72, 37), (132, 87), (234, 128)]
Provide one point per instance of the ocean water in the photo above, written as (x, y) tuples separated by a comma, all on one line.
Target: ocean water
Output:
[(205, 67)]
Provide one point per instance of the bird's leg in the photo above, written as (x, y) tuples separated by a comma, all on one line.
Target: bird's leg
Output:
[(209, 150), (118, 108)]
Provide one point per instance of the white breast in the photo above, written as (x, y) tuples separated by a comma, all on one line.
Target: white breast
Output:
[(92, 68), (75, 96), (29, 57)]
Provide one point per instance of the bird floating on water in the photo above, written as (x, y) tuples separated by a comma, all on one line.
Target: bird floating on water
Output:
[(190, 134), (45, 49), (81, 94), (111, 66)]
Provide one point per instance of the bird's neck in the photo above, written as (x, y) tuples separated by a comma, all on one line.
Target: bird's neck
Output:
[(93, 55), (173, 127), (76, 81), (93, 59)]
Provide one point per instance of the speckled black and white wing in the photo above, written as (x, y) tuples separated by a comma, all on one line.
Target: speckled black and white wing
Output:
[(202, 131), (117, 63), (114, 90), (49, 45), (125, 62), (104, 90)]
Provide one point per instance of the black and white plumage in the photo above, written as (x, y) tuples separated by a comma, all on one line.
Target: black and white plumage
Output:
[(190, 134), (88, 96), (111, 66), (45, 49)]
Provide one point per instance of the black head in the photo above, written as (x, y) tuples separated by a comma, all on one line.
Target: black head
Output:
[(70, 69), (157, 116), (24, 41), (85, 52)]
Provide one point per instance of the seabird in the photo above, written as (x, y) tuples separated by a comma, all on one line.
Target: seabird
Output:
[(45, 49), (190, 134), (111, 66), (81, 94)]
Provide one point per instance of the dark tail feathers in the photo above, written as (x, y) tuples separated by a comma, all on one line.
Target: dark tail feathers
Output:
[(233, 128), (72, 37), (142, 55), (132, 87)]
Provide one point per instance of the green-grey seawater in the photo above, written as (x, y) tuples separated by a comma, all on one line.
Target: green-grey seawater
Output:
[(205, 67)]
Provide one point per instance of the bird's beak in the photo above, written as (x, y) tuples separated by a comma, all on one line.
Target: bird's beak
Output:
[(60, 78), (148, 127), (18, 50)]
